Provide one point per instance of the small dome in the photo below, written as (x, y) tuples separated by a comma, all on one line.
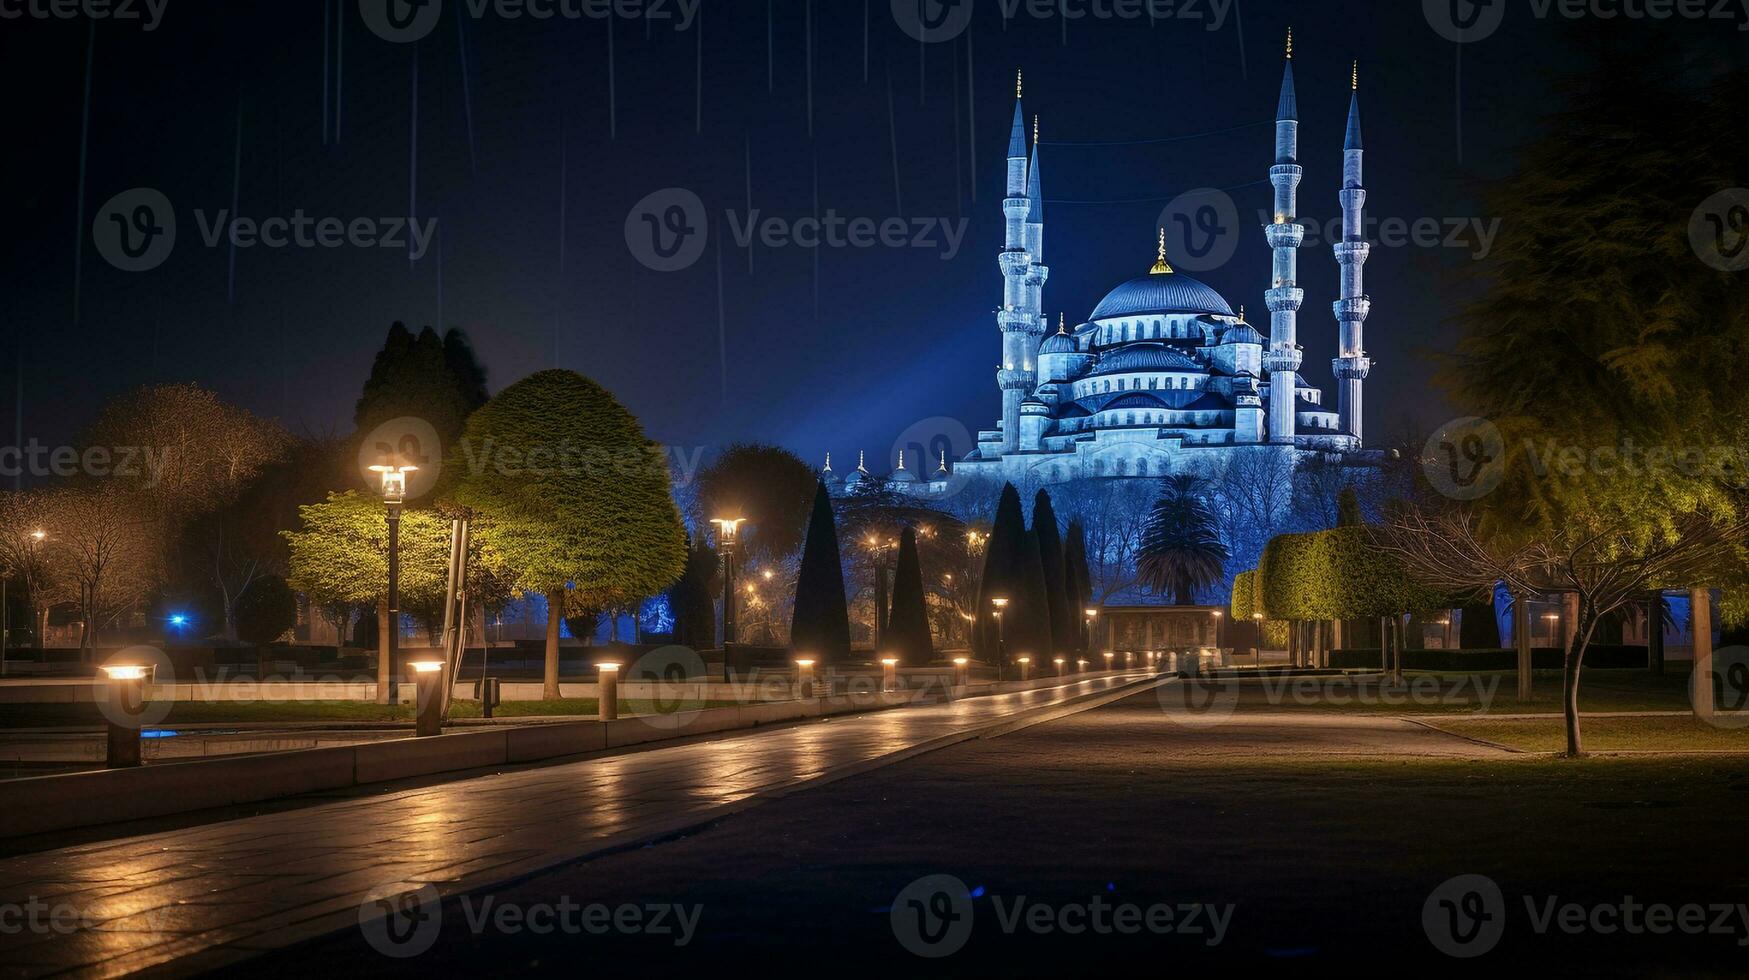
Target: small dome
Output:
[(1134, 399), (1244, 333), (1166, 293), (1059, 343)]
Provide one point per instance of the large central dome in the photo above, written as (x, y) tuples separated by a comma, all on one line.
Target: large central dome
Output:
[(1162, 293)]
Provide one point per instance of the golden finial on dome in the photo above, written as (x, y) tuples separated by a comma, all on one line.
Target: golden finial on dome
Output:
[(1290, 43), (1062, 323), (1241, 312), (1161, 268)]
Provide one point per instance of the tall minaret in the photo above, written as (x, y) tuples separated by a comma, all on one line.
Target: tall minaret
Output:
[(1018, 319), (1285, 234), (1353, 365), (1038, 272)]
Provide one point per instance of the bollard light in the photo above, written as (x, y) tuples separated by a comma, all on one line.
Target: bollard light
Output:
[(890, 674), (607, 690), (126, 694), (1129, 659), (1060, 661), (1025, 667), (804, 679), (1108, 658), (961, 671), (427, 697), (1081, 666)]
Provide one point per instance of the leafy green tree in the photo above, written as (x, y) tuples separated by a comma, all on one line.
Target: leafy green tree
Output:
[(1586, 341), (908, 628), (769, 487), (821, 624), (577, 499), (1065, 616), (1181, 547)]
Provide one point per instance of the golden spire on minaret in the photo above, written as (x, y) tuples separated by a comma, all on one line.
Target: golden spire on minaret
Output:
[(1161, 268), (1354, 84), (1035, 130), (1062, 323), (1241, 312), (1019, 77), (1290, 43)]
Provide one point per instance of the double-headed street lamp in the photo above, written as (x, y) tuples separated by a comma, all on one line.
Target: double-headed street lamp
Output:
[(727, 536), (394, 497)]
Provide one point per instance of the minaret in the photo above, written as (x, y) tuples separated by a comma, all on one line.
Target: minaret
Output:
[(1285, 235), (1018, 319), (1036, 273), (1353, 365)]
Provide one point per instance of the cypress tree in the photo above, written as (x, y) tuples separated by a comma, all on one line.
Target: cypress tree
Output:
[(1079, 578), (1065, 618), (1027, 623), (1002, 569), (1479, 629), (821, 625), (907, 635)]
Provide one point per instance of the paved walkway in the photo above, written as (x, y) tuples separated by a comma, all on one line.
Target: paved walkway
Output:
[(210, 895)]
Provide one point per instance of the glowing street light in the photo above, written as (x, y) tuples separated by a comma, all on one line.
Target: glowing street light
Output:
[(125, 701), (394, 489), (427, 697), (889, 673), (1092, 614), (728, 534), (998, 604), (804, 678)]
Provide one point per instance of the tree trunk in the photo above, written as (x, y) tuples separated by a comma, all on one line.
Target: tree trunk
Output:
[(1655, 634), (1521, 640), (1384, 644), (1570, 679), (550, 677), (1398, 643), (384, 668)]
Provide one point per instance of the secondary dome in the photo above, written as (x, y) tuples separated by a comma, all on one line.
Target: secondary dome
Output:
[(1147, 356), (1162, 293)]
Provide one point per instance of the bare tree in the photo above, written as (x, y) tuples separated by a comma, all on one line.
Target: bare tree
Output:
[(100, 553)]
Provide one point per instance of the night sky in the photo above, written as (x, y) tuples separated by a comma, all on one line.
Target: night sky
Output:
[(530, 141)]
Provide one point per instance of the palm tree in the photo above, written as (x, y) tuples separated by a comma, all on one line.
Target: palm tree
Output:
[(1181, 550)]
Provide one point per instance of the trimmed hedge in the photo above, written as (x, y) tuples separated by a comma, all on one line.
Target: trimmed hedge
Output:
[(1541, 658), (1244, 596), (1335, 574)]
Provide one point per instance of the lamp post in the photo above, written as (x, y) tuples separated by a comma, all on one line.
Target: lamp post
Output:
[(727, 528), (878, 547), (394, 496), (999, 603), (1092, 614)]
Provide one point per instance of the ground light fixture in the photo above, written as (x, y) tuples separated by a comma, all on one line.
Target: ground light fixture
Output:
[(961, 674), (805, 678), (427, 697), (607, 690), (889, 673), (124, 696), (1025, 667), (1060, 661)]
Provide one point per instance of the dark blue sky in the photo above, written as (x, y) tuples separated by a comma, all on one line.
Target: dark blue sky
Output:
[(822, 349)]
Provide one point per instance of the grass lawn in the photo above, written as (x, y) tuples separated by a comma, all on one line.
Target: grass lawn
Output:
[(1603, 734), (258, 712), (1478, 692)]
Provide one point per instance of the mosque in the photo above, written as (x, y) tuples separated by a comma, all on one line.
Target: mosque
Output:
[(1164, 376)]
